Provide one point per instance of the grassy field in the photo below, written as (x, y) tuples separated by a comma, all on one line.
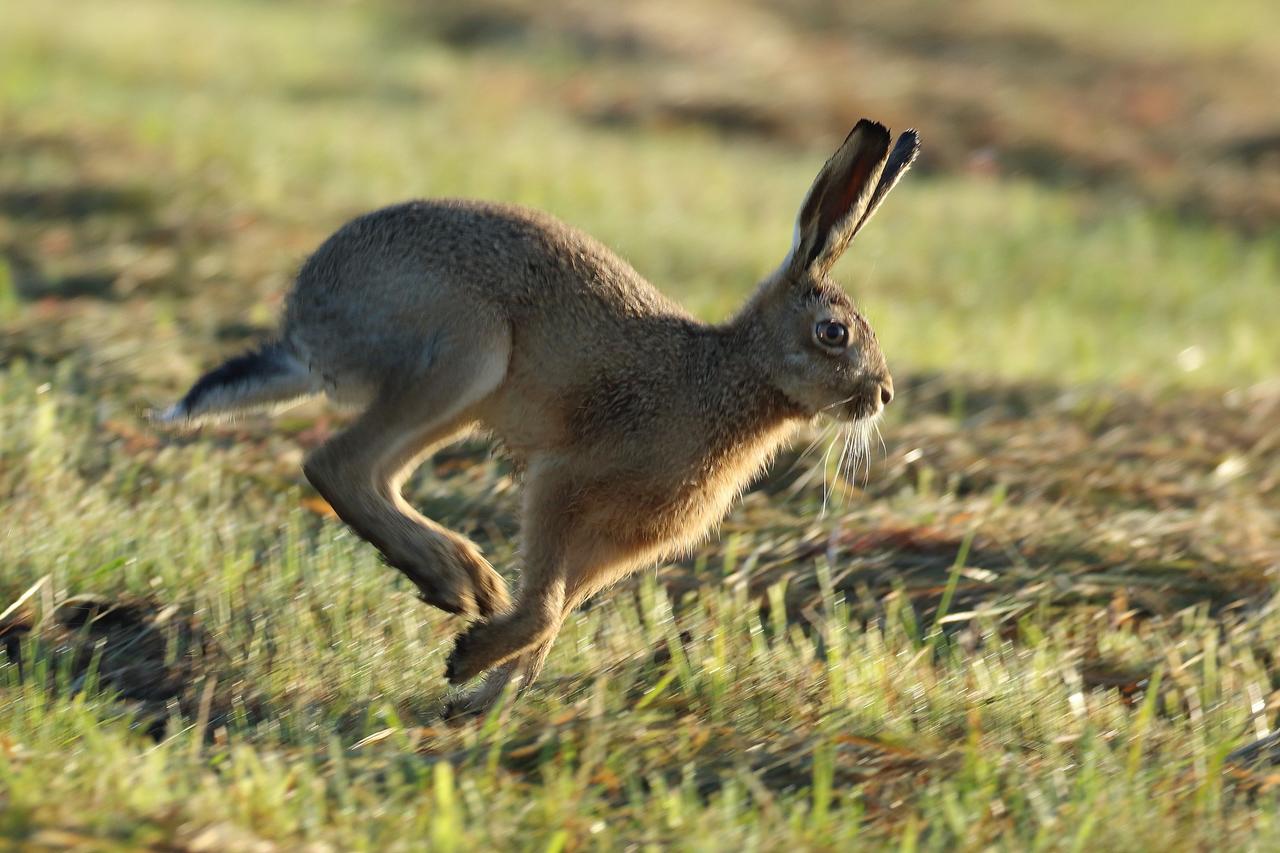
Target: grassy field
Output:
[(1044, 617)]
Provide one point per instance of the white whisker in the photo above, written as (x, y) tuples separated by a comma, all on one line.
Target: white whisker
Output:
[(825, 472), (809, 448), (851, 444), (866, 450), (855, 451), (848, 399), (844, 452)]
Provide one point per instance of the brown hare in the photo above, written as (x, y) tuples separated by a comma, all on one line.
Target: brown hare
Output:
[(637, 424)]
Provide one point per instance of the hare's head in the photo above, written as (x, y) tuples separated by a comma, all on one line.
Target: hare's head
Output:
[(815, 346)]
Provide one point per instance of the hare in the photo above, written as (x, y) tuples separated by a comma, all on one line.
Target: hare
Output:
[(637, 425)]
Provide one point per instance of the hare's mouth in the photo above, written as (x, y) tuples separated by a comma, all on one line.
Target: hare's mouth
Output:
[(868, 402), (862, 407)]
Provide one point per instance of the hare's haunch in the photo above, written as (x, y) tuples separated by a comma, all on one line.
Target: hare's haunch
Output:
[(637, 424)]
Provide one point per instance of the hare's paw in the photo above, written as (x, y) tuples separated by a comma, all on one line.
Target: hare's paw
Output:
[(458, 711), (487, 586), (449, 591), (450, 601), (468, 706), (460, 667), (491, 594), (451, 573)]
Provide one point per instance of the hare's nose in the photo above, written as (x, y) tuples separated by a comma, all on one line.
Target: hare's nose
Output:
[(886, 390)]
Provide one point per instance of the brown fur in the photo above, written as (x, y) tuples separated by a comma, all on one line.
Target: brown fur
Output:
[(638, 425)]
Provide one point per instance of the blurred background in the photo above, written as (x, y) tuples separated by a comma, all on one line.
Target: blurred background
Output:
[(1078, 491), (1097, 198)]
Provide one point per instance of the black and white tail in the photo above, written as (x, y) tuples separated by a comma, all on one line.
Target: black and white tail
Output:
[(268, 378)]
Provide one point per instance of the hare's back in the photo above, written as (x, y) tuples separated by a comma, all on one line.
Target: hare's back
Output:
[(511, 258), (387, 288)]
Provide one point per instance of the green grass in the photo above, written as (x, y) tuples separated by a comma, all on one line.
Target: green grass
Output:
[(1045, 619), (743, 734)]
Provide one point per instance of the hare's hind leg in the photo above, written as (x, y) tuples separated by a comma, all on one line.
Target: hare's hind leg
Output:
[(360, 471)]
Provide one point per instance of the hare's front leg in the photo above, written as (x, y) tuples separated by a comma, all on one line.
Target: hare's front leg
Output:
[(360, 471), (479, 700), (562, 548), (535, 616), (575, 544), (529, 663)]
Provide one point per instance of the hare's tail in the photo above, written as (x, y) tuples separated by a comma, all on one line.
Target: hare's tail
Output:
[(268, 378)]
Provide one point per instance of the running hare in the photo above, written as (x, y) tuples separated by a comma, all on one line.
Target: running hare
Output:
[(637, 424)]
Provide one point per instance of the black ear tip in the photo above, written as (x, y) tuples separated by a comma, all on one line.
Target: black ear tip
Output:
[(905, 150), (867, 125)]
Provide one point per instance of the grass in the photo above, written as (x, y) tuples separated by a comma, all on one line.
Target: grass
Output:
[(1045, 619)]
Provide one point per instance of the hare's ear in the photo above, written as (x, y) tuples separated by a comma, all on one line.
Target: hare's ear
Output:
[(900, 160), (847, 190)]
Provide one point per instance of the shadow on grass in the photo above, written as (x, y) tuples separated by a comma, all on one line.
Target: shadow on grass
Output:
[(157, 659)]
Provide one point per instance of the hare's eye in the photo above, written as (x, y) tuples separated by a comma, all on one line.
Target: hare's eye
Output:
[(832, 334)]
